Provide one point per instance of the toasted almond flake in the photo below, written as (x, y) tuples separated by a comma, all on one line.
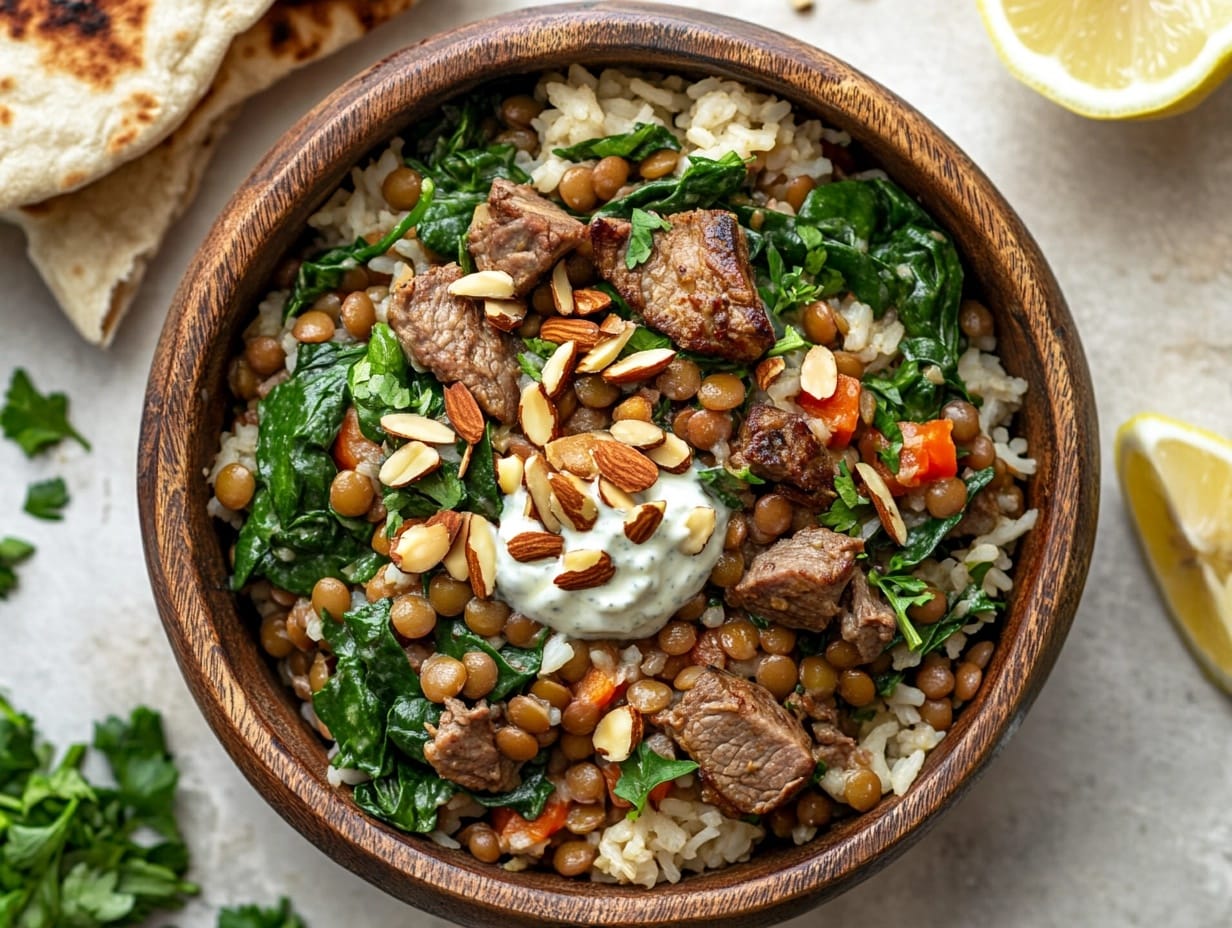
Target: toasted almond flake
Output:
[(534, 546), (562, 290), (768, 372), (575, 453), (642, 521), (883, 502), (612, 325), (674, 455), (404, 278), (559, 367), (539, 488), (606, 351), (465, 464), (626, 467), (505, 315), (410, 462), (448, 518), (618, 733), (572, 503), (615, 497), (481, 556), (509, 473), (641, 365), (419, 548), (537, 415), (413, 426), (819, 373), (484, 285), (559, 330), (464, 413), (638, 433), (455, 561), (590, 302), (584, 569), (700, 523)]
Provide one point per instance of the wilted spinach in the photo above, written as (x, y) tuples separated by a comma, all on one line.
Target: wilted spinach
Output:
[(528, 799), (515, 667), (703, 183), (645, 139)]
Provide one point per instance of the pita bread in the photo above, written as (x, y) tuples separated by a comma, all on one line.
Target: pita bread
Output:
[(92, 246), (87, 86)]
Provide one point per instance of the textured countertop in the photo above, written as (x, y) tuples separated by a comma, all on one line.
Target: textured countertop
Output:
[(1110, 806)]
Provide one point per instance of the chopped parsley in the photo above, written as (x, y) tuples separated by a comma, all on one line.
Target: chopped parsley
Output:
[(45, 499), (645, 770), (35, 421), (13, 551), (641, 239)]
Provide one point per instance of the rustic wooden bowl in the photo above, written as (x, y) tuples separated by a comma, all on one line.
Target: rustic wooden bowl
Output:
[(255, 716)]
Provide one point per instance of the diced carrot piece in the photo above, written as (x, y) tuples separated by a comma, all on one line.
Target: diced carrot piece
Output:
[(595, 688), (518, 834), (351, 448), (928, 452), (659, 793), (840, 412)]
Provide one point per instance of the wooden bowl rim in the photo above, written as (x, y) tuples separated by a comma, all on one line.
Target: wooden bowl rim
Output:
[(185, 562)]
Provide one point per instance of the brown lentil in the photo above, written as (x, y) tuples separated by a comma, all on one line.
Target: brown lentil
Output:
[(521, 630), (610, 174), (529, 714), (485, 617), (814, 809), (776, 639), (777, 673), (332, 597), (358, 315), (935, 681), (847, 363), (274, 639), (594, 392), (483, 844), (582, 820), (677, 637), (728, 569), (516, 744), (649, 696), (350, 494), (235, 486), (856, 687), (772, 514), (738, 638), (975, 320), (680, 380), (586, 783), (313, 327), (842, 654), (580, 717), (721, 392), (401, 188), (264, 355), (447, 595), (635, 407), (930, 612), (967, 680), (551, 692), (520, 110), (658, 164), (577, 188), (707, 428), (980, 654), (687, 678), (862, 790), (573, 858), (481, 674), (737, 531), (938, 713), (817, 320), (817, 676)]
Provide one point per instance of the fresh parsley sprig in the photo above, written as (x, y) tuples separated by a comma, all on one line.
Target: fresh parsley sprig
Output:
[(45, 499), (641, 238), (35, 421)]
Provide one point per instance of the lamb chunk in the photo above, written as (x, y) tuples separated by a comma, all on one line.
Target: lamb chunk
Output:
[(777, 445), (981, 515), (799, 581), (753, 754), (449, 336), (522, 234), (463, 749), (869, 623), (697, 285), (831, 747)]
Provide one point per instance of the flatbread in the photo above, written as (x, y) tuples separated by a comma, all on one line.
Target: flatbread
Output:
[(92, 246), (88, 85)]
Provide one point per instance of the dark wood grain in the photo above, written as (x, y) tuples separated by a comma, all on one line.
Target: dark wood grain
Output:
[(253, 714)]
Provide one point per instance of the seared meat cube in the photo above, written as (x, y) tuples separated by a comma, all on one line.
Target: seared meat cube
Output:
[(697, 285), (869, 623), (449, 336), (777, 445), (831, 747), (753, 754), (522, 234), (463, 749), (799, 581)]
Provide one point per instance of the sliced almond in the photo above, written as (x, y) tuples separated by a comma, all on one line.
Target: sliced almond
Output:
[(559, 367), (537, 415), (674, 455), (618, 734), (509, 473), (584, 569), (571, 503), (534, 546), (606, 351), (448, 518), (539, 488), (626, 467), (641, 365), (883, 501), (404, 278), (464, 413), (819, 373), (455, 561), (590, 302), (638, 433), (481, 215), (505, 315), (700, 524), (582, 331), (768, 371), (575, 453), (413, 426), (642, 521), (465, 463), (481, 556), (562, 290), (484, 285), (410, 462), (419, 548), (612, 325), (615, 497)]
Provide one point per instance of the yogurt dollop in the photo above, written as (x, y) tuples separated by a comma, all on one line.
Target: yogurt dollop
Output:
[(652, 580)]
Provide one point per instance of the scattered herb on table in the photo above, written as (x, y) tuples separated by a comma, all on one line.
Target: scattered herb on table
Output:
[(13, 551), (255, 916), (35, 421), (45, 499)]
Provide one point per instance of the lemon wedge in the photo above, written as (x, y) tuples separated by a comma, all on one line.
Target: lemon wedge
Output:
[(1177, 481), (1115, 59)]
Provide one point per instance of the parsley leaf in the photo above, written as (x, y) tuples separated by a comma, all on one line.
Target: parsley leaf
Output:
[(641, 239), (887, 682), (35, 421), (254, 916), (786, 288), (791, 341), (902, 591), (45, 499), (12, 552), (850, 510), (645, 770), (728, 485), (538, 350)]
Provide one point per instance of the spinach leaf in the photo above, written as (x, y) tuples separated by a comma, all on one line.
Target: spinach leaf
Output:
[(515, 667), (528, 799), (643, 339), (463, 179), (35, 421), (45, 499), (459, 126), (407, 798), (849, 510), (704, 183), (382, 382), (13, 551), (728, 485), (971, 601), (483, 493), (791, 341), (645, 770), (325, 271), (406, 720), (924, 538), (641, 237), (645, 139), (254, 916), (902, 591), (886, 683), (538, 350)]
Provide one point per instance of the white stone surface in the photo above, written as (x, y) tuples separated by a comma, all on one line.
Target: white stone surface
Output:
[(1111, 806)]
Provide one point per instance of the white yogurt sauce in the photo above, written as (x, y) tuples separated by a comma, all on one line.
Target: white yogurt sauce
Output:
[(652, 580)]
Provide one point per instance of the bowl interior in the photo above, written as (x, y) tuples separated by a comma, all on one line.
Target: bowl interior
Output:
[(254, 714)]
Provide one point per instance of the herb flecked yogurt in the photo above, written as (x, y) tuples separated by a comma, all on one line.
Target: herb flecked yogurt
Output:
[(652, 580)]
